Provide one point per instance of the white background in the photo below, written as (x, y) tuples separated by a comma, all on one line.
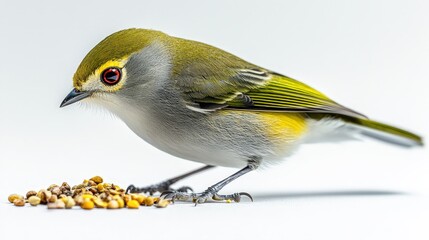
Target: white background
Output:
[(371, 56)]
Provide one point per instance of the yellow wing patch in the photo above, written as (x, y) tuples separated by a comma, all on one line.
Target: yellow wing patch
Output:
[(283, 127)]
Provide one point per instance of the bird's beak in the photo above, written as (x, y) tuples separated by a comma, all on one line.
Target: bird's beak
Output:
[(74, 96)]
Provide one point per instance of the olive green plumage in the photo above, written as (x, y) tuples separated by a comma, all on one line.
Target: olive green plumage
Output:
[(213, 79), (198, 64), (114, 47)]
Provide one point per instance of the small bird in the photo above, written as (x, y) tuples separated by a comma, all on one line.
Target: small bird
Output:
[(200, 103)]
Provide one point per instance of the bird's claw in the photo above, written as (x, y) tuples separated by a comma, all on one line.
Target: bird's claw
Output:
[(131, 189), (161, 187), (203, 197), (185, 189)]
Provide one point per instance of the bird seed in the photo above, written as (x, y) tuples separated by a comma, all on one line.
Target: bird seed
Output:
[(92, 193)]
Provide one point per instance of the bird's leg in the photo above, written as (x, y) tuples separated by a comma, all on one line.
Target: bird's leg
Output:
[(165, 185), (212, 192)]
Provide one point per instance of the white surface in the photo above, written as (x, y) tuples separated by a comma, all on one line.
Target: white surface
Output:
[(371, 56)]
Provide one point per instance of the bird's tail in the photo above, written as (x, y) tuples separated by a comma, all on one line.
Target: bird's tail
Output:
[(384, 132)]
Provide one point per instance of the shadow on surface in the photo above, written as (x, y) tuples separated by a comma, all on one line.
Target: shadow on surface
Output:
[(320, 194)]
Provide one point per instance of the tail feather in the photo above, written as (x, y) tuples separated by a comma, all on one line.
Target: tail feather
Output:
[(384, 132)]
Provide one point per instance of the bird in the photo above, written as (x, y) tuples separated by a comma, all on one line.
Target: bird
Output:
[(200, 103)]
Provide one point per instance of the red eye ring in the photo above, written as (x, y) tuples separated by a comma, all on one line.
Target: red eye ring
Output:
[(111, 76)]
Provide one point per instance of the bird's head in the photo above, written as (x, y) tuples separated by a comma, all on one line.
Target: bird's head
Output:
[(111, 66)]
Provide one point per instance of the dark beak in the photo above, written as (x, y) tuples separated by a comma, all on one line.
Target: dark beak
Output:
[(74, 96)]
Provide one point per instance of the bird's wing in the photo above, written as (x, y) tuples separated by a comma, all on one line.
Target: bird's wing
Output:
[(212, 85)]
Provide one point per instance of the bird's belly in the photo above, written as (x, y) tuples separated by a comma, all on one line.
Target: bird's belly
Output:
[(224, 138)]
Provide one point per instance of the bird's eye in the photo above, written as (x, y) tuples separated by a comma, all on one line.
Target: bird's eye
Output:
[(111, 76)]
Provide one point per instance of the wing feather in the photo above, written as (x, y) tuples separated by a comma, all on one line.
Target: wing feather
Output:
[(215, 80), (265, 91)]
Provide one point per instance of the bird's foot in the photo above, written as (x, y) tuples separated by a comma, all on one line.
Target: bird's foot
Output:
[(209, 194), (160, 187)]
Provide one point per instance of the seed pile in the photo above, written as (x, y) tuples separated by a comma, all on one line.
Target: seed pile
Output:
[(92, 193)]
